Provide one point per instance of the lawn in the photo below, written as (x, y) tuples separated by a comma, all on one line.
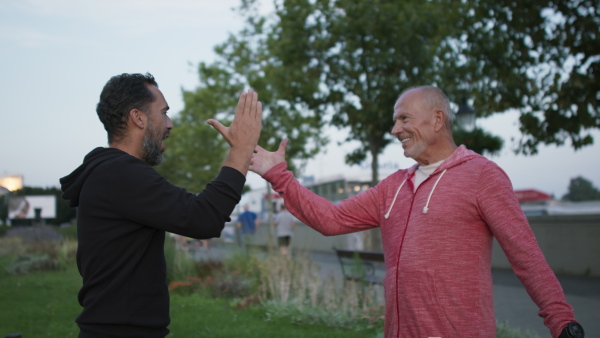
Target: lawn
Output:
[(44, 304)]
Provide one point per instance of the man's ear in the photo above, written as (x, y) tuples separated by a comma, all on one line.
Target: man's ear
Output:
[(439, 120), (138, 118)]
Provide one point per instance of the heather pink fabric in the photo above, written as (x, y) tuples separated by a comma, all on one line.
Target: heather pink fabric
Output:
[(438, 264)]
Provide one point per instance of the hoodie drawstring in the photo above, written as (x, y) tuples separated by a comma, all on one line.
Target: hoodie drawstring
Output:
[(426, 209), (394, 200)]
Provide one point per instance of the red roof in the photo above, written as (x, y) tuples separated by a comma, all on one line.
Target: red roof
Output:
[(532, 195)]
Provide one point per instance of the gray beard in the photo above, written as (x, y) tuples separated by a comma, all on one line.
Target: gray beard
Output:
[(151, 151)]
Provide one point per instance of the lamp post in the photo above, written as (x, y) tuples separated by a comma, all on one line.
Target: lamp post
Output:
[(465, 116)]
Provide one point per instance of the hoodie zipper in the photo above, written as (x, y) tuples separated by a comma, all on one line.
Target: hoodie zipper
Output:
[(425, 209)]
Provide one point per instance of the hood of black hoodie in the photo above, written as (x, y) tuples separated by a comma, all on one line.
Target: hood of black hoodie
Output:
[(71, 184)]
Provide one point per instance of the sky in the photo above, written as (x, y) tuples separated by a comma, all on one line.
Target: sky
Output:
[(57, 55)]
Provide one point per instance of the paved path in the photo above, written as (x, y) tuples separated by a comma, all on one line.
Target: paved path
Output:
[(512, 303)]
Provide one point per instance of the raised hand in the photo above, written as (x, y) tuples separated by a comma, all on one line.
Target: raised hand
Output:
[(263, 160), (247, 122), (244, 131)]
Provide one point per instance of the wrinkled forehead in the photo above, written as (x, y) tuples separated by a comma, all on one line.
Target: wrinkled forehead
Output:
[(406, 102)]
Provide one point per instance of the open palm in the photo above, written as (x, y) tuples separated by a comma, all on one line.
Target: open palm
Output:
[(263, 160)]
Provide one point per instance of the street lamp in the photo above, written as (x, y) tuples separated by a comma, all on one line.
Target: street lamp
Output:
[(465, 116)]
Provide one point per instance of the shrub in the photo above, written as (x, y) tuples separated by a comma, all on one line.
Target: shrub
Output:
[(186, 287), (41, 248), (207, 268), (11, 246), (28, 263), (503, 331), (69, 231), (232, 285), (179, 264), (294, 288), (3, 229)]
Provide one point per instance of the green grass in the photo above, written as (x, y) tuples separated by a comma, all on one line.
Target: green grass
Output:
[(44, 304), (202, 316)]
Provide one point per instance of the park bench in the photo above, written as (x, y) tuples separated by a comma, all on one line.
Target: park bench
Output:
[(360, 265)]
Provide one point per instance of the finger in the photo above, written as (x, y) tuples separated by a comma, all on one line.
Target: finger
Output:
[(219, 127), (282, 146), (250, 104), (254, 106), (259, 111), (241, 104)]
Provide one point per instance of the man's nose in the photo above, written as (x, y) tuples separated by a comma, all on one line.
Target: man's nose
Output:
[(397, 128)]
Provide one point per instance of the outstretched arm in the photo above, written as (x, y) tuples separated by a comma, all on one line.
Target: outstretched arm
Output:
[(354, 214), (243, 133)]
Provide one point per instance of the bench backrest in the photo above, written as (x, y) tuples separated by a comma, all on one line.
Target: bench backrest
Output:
[(375, 256)]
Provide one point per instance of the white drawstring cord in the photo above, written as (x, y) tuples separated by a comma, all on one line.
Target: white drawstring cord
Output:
[(426, 209), (394, 200)]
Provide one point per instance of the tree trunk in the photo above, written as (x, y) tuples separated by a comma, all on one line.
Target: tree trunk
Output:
[(375, 241)]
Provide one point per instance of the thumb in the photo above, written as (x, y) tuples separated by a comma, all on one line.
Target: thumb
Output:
[(282, 146), (217, 125)]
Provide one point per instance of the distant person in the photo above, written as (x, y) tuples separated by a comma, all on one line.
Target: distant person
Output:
[(125, 207), (284, 223), (247, 224), (437, 221)]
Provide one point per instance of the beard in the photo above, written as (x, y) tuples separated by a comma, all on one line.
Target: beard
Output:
[(152, 146), (415, 150)]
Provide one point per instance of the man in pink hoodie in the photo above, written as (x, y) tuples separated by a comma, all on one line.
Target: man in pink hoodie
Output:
[(437, 222)]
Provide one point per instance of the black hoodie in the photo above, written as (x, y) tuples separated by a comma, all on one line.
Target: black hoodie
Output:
[(124, 208)]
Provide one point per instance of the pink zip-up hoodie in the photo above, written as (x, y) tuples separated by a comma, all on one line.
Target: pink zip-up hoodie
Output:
[(437, 244)]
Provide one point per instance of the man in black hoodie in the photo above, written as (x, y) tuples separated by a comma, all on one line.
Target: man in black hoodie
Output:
[(124, 207)]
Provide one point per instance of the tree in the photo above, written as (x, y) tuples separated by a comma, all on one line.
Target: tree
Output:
[(478, 140), (538, 57), (340, 59), (195, 150), (580, 189)]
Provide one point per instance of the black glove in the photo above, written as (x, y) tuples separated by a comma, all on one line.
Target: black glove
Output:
[(572, 330)]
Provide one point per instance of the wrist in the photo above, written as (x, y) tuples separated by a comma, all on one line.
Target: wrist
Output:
[(239, 159), (572, 330)]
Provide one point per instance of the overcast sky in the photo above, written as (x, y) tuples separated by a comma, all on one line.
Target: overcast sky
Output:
[(57, 55)]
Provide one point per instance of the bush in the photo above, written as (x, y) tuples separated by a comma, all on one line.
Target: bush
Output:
[(232, 285), (503, 331), (294, 288), (179, 264), (3, 229), (11, 246), (69, 231), (28, 263)]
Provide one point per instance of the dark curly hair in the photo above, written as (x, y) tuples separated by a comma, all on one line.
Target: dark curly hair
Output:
[(120, 95)]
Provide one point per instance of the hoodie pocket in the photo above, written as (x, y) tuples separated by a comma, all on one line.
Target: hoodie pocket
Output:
[(422, 313), (441, 308)]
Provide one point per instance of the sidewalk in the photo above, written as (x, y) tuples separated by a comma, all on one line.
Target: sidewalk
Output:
[(512, 304)]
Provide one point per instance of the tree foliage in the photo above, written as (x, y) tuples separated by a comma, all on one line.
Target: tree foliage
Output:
[(195, 151), (540, 57), (478, 140), (580, 189), (345, 62)]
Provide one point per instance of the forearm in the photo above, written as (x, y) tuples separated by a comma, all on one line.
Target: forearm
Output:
[(317, 212)]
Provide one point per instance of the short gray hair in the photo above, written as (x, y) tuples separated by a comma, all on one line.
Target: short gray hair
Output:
[(433, 99)]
